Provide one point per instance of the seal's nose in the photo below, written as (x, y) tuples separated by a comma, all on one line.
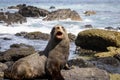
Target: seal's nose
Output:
[(58, 28)]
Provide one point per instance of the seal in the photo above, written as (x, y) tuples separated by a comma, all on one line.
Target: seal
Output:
[(57, 52)]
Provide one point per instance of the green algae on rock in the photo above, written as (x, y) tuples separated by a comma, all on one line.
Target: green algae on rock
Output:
[(98, 39)]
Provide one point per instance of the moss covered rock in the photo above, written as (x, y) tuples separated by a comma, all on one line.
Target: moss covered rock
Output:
[(112, 51), (98, 39)]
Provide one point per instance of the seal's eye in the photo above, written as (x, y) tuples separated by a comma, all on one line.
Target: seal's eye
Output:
[(58, 27), (63, 28)]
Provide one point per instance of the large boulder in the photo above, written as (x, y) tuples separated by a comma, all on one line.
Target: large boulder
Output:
[(62, 14), (10, 18), (98, 39), (16, 52), (31, 11), (85, 74)]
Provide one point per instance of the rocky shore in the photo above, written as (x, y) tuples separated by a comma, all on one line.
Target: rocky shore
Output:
[(98, 50), (31, 11), (101, 63)]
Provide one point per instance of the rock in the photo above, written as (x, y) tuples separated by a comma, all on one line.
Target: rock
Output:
[(117, 28), (88, 26), (115, 76), (31, 11), (88, 13), (1, 9), (76, 73), (17, 7), (84, 52), (109, 64), (9, 63), (16, 52), (34, 35), (10, 18), (21, 34), (109, 61), (71, 37), (5, 38), (1, 75), (112, 51), (3, 67), (117, 56), (109, 28), (62, 14), (52, 7), (85, 74), (13, 7), (29, 67), (37, 35), (80, 63), (98, 39)]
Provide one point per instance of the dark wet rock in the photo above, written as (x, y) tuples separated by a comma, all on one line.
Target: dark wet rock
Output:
[(117, 28), (21, 34), (71, 36), (80, 63), (98, 39), (89, 13), (62, 14), (13, 7), (84, 52), (1, 9), (31, 11), (20, 46), (17, 7), (52, 7), (85, 74), (88, 26), (5, 38), (117, 56), (10, 18), (37, 35), (16, 52), (109, 61), (109, 64), (110, 28)]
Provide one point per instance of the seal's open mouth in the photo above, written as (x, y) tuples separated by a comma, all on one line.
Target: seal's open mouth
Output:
[(59, 35)]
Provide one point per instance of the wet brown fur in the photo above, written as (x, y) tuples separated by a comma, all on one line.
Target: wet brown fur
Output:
[(57, 52)]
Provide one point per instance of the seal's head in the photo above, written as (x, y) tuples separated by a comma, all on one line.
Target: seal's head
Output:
[(58, 32)]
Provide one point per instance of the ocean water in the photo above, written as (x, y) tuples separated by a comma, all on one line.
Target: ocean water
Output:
[(107, 14)]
